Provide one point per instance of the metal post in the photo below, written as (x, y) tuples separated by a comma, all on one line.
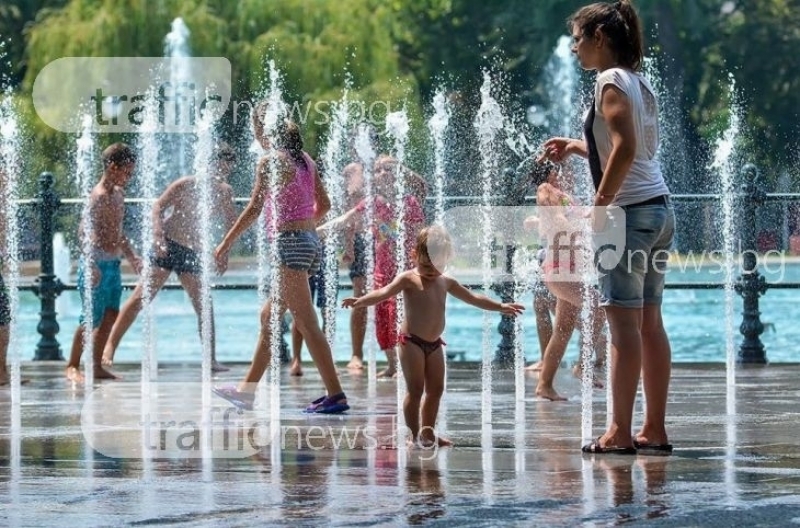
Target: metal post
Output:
[(504, 355), (750, 284), (515, 184), (47, 287)]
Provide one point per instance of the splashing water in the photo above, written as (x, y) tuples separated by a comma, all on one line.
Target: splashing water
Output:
[(274, 112), (10, 172), (723, 162), (562, 84), (10, 167), (203, 160), (488, 125), (437, 125), (176, 47), (84, 174), (397, 126), (672, 138), (334, 161), (148, 167), (562, 81), (366, 155)]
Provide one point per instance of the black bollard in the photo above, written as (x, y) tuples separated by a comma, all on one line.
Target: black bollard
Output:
[(47, 287), (750, 284), (515, 183), (504, 355)]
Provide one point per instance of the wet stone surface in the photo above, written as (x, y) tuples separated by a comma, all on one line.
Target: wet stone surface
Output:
[(116, 458)]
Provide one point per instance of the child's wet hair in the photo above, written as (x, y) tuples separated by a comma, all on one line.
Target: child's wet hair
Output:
[(540, 172), (534, 173), (288, 137), (434, 246), (119, 154)]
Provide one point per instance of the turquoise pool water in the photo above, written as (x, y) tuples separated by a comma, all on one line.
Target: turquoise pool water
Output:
[(695, 321)]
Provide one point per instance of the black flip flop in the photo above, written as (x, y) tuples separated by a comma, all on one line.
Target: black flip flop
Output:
[(653, 449), (595, 448)]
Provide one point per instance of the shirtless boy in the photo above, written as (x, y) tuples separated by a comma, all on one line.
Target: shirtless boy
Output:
[(178, 243), (101, 236)]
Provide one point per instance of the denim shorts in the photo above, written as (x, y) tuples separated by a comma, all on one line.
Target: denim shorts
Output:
[(299, 250), (638, 277)]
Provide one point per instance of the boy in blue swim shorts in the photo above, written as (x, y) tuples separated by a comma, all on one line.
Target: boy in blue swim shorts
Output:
[(104, 243)]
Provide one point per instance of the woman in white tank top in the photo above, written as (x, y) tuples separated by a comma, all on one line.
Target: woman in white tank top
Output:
[(621, 141)]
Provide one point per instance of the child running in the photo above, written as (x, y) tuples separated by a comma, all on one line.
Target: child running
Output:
[(178, 243), (425, 291), (294, 206)]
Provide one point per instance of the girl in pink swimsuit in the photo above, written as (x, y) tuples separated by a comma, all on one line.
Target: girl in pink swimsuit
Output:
[(293, 208)]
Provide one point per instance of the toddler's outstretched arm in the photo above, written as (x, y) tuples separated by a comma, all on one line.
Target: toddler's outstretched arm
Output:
[(376, 296), (482, 301)]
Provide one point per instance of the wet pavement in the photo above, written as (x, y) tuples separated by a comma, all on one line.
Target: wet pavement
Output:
[(142, 460)]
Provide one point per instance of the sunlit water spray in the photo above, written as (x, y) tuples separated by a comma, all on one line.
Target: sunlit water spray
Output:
[(85, 172), (563, 119), (148, 169), (274, 112), (334, 162), (488, 125), (723, 165), (397, 126), (10, 172), (177, 48), (366, 156), (437, 125), (203, 165), (521, 271), (562, 82), (672, 152)]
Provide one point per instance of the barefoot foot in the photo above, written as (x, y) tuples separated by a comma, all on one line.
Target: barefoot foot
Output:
[(427, 443), (295, 369), (534, 367), (108, 359), (387, 373), (74, 375), (101, 373), (549, 393), (597, 379), (355, 363), (216, 366)]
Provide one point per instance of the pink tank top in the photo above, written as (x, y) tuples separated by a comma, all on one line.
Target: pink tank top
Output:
[(296, 199)]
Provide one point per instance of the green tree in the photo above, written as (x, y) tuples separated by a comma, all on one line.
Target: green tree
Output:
[(317, 44)]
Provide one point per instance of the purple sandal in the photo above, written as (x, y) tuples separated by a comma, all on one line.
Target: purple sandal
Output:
[(240, 400), (328, 405)]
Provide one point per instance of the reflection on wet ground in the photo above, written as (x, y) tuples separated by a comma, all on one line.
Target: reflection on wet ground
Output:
[(76, 460)]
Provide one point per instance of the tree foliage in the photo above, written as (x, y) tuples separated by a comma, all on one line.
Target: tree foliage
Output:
[(400, 51)]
